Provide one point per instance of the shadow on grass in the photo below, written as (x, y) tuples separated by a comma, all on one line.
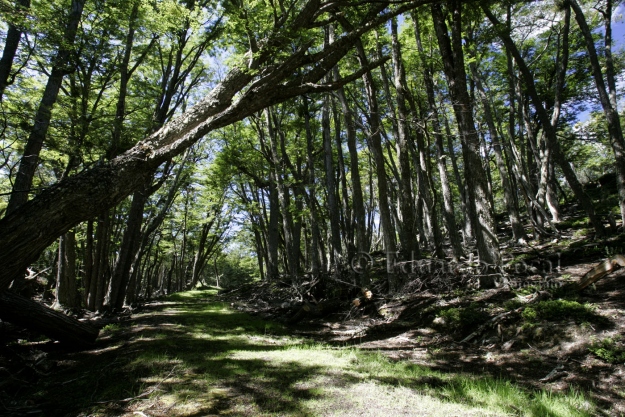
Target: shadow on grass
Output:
[(183, 357)]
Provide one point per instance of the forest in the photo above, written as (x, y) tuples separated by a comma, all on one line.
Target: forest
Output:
[(393, 166)]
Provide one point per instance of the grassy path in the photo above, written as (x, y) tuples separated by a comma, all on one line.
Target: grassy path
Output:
[(191, 356)]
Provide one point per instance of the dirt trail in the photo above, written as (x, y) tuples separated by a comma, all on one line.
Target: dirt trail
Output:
[(191, 356)]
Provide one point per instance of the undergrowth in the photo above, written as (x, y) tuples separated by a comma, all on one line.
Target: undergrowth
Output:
[(556, 310), (610, 349), (463, 317)]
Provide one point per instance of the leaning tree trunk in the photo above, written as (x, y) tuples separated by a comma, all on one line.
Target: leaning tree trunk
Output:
[(25, 233), (550, 131), (30, 158), (11, 43), (33, 315), (480, 210)]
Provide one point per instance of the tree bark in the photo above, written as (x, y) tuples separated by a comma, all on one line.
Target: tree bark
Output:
[(480, 210), (33, 315), (11, 43), (30, 157), (550, 131)]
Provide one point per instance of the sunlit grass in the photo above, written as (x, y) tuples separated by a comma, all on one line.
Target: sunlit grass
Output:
[(195, 357)]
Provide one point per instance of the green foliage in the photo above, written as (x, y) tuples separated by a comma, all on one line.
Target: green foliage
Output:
[(610, 349), (513, 304), (463, 317), (556, 310), (237, 266), (110, 328)]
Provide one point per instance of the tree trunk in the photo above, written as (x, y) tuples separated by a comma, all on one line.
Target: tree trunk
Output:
[(448, 204), (550, 131), (199, 259), (375, 143), (310, 161), (128, 249), (407, 231), (347, 230), (518, 233), (467, 232), (66, 290), (103, 252), (607, 98), (358, 206), (333, 207), (30, 157), (277, 167), (88, 257), (11, 43), (480, 210), (33, 315)]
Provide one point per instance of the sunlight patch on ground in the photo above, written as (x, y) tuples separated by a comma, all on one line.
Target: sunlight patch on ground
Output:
[(336, 390), (371, 399), (203, 359)]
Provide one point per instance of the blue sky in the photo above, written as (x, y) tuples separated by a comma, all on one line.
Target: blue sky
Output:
[(618, 41)]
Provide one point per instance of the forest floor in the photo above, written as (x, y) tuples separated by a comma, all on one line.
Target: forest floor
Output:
[(526, 348), (532, 331), (192, 355)]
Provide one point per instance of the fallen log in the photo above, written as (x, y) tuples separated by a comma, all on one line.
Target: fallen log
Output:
[(35, 316), (600, 271), (490, 323), (320, 309)]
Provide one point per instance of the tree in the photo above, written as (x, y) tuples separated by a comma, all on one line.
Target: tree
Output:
[(60, 68), (10, 45), (549, 129), (266, 79), (448, 203), (607, 96), (480, 209)]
